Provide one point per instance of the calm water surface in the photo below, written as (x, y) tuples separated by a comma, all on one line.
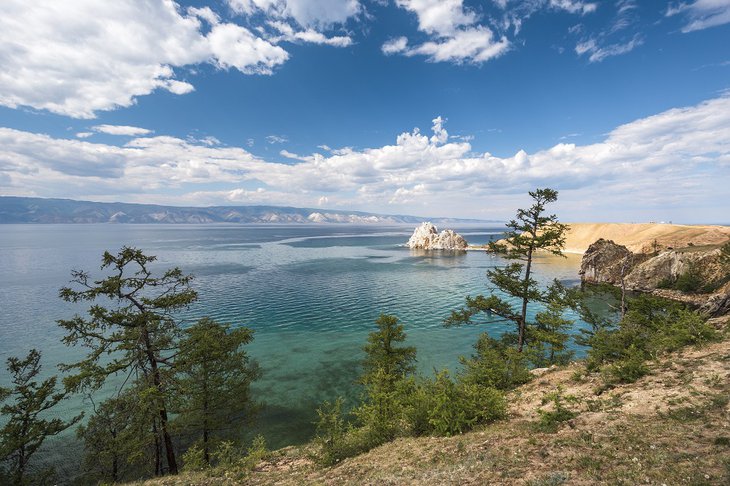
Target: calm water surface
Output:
[(311, 293)]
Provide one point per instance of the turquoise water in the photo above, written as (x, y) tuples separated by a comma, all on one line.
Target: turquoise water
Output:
[(311, 293)]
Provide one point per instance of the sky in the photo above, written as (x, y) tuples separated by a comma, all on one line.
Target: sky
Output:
[(424, 107)]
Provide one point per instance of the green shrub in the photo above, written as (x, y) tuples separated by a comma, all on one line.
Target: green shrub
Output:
[(457, 407), (550, 420), (495, 364), (194, 459), (332, 434), (685, 328), (628, 369), (256, 452), (227, 454), (651, 326), (417, 401), (690, 281)]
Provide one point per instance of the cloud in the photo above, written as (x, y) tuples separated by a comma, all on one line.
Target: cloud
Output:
[(307, 13), (78, 58), (597, 53), (395, 46), (574, 6), (459, 35), (701, 14), (272, 139), (653, 164), (454, 35), (121, 130), (84, 134), (309, 35)]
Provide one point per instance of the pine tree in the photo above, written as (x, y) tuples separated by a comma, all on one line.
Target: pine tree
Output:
[(26, 429), (135, 337), (530, 232), (385, 366), (214, 378), (119, 439), (382, 352), (548, 336)]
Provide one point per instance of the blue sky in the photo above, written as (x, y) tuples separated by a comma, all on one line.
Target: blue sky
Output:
[(442, 108)]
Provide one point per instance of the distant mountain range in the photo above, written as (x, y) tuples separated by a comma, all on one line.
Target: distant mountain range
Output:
[(40, 210)]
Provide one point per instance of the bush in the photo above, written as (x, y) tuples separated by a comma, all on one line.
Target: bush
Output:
[(332, 434), (690, 281), (551, 419), (628, 369), (227, 454), (495, 364), (194, 459), (256, 452), (651, 326), (458, 407)]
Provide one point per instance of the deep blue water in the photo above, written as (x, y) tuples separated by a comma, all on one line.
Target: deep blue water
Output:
[(311, 293)]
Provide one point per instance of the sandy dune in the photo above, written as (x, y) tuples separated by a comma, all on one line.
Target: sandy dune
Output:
[(641, 236)]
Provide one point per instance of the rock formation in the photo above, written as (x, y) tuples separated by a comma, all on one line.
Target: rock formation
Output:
[(607, 262), (427, 237)]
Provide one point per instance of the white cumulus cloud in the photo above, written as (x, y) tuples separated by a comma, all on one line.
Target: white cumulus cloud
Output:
[(307, 13), (121, 130), (454, 34), (670, 165), (80, 57)]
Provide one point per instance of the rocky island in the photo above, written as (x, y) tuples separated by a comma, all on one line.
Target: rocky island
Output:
[(427, 237)]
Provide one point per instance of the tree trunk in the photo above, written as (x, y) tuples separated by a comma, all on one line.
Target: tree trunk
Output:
[(157, 381), (523, 316)]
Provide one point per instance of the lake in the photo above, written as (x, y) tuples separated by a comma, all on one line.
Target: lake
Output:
[(311, 294)]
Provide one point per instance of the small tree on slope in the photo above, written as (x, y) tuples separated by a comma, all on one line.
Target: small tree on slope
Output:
[(25, 429), (530, 232), (135, 337)]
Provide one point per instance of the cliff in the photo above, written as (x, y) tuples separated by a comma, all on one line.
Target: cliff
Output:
[(693, 275), (427, 237)]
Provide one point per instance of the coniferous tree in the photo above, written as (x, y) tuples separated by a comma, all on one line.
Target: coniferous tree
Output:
[(214, 377), (120, 442), (548, 335), (135, 337), (386, 365), (530, 232), (26, 428)]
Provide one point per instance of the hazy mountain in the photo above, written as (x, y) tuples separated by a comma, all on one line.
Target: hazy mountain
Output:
[(40, 210)]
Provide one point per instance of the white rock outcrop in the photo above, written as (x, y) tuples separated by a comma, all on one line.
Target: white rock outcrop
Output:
[(427, 237)]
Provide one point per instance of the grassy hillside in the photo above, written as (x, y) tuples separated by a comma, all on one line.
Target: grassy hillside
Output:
[(670, 427)]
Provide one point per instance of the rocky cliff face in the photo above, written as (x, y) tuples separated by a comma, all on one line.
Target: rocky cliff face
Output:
[(607, 262), (427, 237)]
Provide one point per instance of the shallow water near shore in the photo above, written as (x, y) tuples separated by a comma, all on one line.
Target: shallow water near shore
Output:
[(310, 293)]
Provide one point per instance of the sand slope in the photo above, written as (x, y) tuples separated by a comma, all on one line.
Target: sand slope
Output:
[(641, 236)]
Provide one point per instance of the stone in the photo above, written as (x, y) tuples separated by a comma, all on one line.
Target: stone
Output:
[(607, 262), (427, 237)]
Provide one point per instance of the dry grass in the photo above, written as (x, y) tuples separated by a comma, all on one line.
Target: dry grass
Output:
[(671, 427), (639, 237)]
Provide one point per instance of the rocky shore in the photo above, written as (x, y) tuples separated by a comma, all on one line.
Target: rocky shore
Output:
[(659, 272)]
